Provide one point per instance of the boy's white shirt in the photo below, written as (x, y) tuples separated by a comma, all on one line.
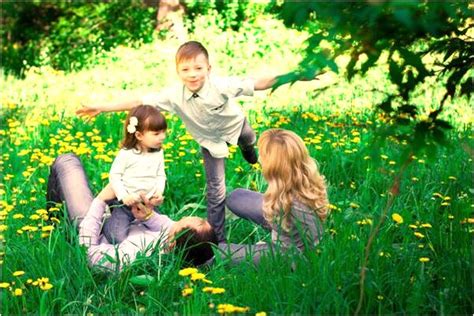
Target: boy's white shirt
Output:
[(213, 118), (133, 172), (143, 237)]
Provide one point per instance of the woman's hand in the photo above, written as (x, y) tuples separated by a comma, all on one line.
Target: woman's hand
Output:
[(141, 212)]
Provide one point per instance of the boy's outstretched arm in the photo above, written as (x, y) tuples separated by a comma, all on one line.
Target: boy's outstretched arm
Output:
[(93, 109), (264, 83)]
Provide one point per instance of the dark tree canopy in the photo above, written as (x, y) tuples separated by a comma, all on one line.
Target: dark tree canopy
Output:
[(406, 31)]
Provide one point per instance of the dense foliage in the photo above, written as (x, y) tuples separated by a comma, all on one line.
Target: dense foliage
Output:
[(69, 35), (417, 39)]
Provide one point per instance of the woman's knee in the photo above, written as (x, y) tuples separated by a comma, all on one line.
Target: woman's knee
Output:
[(235, 199), (64, 161)]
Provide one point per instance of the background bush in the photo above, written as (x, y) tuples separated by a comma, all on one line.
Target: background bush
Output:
[(69, 35)]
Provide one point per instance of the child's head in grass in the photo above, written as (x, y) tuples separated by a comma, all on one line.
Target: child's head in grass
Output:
[(192, 65), (291, 173), (145, 129)]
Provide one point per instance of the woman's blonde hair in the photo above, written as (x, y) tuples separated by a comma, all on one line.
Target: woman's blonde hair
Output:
[(291, 174)]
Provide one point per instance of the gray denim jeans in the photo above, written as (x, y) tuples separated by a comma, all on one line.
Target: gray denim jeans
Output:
[(215, 180), (68, 183), (248, 205)]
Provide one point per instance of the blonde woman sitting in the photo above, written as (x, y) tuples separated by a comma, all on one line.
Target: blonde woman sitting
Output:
[(295, 204)]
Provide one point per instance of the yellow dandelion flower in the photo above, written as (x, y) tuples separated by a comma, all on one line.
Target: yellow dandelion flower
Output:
[(354, 205), (47, 228), (35, 217), (397, 218), (380, 297), (187, 291), (452, 178), (187, 271), (197, 276), (55, 220), (261, 314), (419, 235), (424, 259), (213, 290), (366, 221), (18, 273), (229, 308), (4, 285), (415, 179), (41, 212), (46, 286), (18, 292), (3, 227), (426, 225)]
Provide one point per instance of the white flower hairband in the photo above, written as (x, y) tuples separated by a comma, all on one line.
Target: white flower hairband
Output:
[(132, 125)]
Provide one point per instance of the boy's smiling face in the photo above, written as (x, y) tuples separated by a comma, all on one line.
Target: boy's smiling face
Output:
[(193, 72)]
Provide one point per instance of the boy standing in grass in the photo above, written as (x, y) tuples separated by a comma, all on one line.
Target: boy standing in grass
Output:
[(205, 105)]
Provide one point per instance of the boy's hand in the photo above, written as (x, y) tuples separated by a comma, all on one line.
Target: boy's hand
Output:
[(88, 110)]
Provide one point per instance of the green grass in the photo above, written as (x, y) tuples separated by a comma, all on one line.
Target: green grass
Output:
[(339, 129)]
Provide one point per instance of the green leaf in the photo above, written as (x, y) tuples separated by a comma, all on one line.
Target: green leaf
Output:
[(395, 73), (386, 106), (466, 88), (371, 60), (142, 280), (442, 124)]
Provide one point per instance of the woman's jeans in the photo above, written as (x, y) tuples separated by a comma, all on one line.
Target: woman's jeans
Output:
[(68, 183), (249, 205)]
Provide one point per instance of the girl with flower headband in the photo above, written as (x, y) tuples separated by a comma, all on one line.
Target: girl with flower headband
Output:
[(138, 170)]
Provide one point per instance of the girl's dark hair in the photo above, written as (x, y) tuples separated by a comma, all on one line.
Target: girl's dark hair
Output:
[(149, 119)]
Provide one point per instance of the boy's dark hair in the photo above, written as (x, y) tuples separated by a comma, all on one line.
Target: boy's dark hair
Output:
[(196, 245), (149, 119), (190, 50)]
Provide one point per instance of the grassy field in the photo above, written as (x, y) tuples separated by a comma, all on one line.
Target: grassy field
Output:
[(420, 261)]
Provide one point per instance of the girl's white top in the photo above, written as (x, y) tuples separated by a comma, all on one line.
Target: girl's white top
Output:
[(133, 172)]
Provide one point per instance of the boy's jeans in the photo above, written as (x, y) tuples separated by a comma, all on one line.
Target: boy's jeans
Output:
[(215, 180)]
